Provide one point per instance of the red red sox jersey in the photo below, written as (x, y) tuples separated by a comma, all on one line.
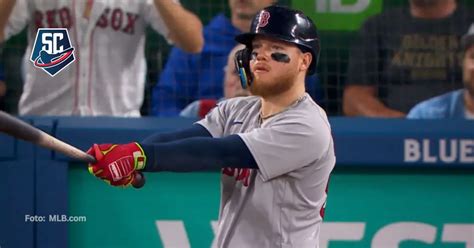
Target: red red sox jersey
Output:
[(108, 76), (280, 204)]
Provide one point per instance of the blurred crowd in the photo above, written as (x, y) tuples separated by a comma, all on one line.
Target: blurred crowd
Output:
[(175, 58)]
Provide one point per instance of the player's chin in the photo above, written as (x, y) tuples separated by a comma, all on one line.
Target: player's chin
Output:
[(264, 77), (261, 82), (260, 87)]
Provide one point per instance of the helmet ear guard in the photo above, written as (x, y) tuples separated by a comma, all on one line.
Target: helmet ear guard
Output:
[(242, 65)]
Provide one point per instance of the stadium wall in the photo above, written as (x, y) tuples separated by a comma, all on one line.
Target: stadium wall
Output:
[(396, 184)]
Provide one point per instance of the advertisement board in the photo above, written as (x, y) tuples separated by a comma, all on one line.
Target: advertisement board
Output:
[(372, 207), (340, 15)]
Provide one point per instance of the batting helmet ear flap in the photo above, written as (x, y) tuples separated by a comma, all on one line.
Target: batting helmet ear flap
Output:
[(242, 65)]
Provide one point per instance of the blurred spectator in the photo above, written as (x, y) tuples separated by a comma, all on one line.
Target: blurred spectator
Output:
[(5, 9), (108, 76), (3, 86), (189, 77), (232, 88), (404, 56), (458, 104)]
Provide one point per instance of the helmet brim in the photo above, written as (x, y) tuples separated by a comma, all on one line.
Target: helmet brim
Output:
[(245, 39)]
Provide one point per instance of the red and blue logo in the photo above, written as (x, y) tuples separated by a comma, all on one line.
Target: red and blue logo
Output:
[(52, 50), (263, 19)]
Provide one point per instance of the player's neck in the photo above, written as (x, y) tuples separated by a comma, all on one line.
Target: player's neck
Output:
[(469, 102), (272, 105), (439, 9)]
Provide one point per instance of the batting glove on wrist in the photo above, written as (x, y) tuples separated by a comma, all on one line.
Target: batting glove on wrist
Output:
[(117, 164)]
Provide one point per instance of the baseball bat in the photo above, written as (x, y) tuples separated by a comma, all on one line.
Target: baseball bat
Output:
[(22, 130)]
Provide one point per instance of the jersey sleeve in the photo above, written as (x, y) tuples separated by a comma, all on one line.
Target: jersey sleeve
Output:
[(415, 112), (434, 108), (191, 111), (364, 57), (215, 120), (18, 19), (153, 17), (289, 144)]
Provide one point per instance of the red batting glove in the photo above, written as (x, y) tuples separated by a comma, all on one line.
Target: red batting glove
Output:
[(117, 163)]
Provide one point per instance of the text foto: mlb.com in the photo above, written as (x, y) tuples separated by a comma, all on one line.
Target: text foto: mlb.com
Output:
[(54, 218)]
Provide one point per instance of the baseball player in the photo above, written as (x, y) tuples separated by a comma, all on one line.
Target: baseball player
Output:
[(274, 148), (108, 36)]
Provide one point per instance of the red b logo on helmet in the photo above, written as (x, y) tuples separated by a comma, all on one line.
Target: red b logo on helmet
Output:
[(263, 19)]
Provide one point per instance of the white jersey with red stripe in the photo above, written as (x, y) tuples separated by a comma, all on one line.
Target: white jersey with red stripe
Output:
[(108, 76), (280, 204)]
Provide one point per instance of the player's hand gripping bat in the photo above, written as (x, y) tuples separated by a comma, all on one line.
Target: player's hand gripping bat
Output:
[(21, 130)]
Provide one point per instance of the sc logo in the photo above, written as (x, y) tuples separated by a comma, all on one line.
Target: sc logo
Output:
[(52, 50)]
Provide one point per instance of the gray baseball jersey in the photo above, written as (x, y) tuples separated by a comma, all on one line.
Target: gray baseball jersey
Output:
[(108, 76), (282, 203)]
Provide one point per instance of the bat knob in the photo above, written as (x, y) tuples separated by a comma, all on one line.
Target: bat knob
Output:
[(138, 180)]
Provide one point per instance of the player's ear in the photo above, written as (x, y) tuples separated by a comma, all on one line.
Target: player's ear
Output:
[(306, 61)]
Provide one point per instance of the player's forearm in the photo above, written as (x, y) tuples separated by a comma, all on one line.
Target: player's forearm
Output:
[(195, 130), (6, 7), (198, 154), (360, 101), (185, 28)]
